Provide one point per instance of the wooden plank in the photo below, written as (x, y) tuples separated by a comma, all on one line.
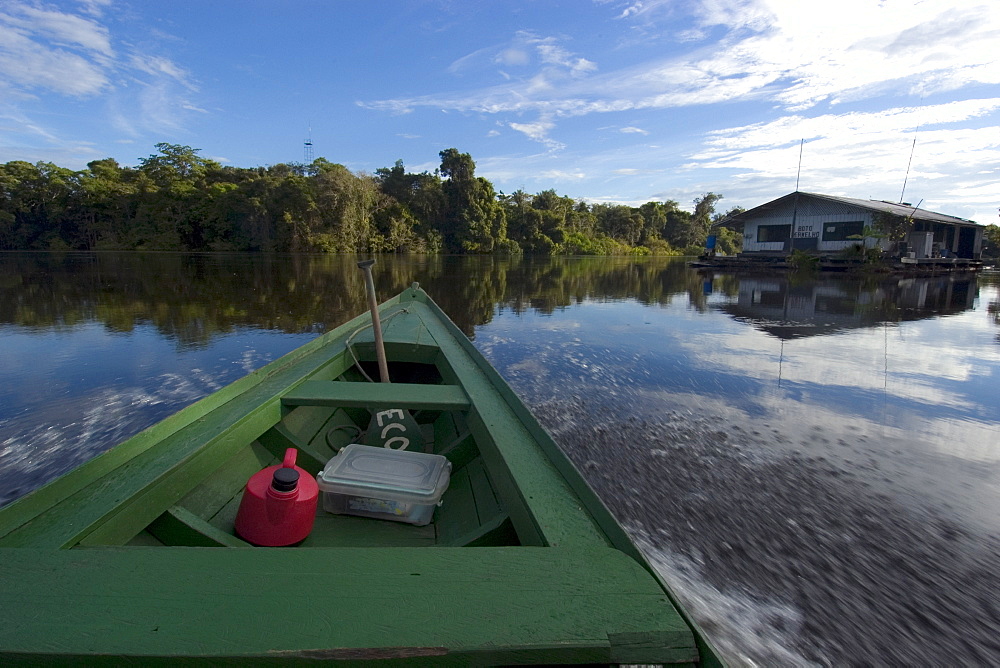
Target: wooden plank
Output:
[(225, 519), (473, 606), (457, 515), (339, 431), (227, 481), (144, 539), (338, 531), (306, 421), (279, 438), (179, 526), (377, 395), (639, 647), (485, 498)]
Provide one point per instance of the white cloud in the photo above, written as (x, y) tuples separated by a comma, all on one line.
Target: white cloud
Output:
[(513, 56), (634, 130), (158, 66), (95, 7), (60, 53), (538, 131), (795, 54), (552, 54), (26, 67), (843, 151), (58, 27), (43, 50), (560, 175)]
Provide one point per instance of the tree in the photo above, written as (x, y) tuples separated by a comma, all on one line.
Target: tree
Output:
[(109, 199), (619, 222), (40, 205), (178, 179), (457, 167), (701, 220), (175, 199), (991, 241), (474, 221)]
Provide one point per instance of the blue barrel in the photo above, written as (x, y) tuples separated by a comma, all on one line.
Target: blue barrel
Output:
[(710, 242)]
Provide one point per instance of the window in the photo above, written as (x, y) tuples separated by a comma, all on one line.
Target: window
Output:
[(843, 231), (773, 233)]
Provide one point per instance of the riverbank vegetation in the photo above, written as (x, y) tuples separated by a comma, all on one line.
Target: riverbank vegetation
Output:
[(177, 200)]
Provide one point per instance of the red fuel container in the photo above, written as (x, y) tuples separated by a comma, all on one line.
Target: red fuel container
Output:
[(278, 505)]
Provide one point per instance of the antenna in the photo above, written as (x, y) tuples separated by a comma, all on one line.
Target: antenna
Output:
[(307, 147), (795, 204), (799, 173), (905, 178)]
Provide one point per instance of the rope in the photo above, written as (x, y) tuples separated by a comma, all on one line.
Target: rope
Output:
[(350, 338), (353, 427)]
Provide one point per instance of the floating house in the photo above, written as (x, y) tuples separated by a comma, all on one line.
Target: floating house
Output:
[(829, 227)]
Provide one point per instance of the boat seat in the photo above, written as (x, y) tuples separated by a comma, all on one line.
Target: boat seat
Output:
[(344, 394), (478, 606)]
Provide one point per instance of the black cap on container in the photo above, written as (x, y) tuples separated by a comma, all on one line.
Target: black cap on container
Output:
[(285, 480)]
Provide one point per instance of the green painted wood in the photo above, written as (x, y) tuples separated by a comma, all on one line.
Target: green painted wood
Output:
[(487, 503), (225, 518), (170, 482), (495, 535), (306, 421), (347, 531), (179, 526), (472, 510), (144, 539), (336, 434), (457, 517), (377, 395), (227, 481), (644, 646), (453, 439), (484, 605), (279, 438), (400, 351)]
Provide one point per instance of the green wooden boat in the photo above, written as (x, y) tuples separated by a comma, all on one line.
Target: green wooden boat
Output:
[(133, 557)]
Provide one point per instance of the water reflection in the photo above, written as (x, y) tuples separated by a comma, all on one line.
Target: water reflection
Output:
[(789, 309), (817, 467), (190, 298)]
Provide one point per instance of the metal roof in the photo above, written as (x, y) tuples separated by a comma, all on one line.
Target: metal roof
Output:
[(905, 210)]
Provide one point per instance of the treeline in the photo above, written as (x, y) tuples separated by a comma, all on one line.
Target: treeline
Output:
[(177, 200)]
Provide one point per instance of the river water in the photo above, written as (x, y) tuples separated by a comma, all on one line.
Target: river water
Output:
[(814, 464)]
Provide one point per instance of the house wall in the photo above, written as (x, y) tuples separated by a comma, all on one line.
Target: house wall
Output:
[(810, 216)]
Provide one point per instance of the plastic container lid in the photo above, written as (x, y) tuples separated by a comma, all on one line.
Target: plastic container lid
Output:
[(397, 475)]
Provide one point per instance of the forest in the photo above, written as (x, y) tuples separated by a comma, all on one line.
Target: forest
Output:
[(176, 200)]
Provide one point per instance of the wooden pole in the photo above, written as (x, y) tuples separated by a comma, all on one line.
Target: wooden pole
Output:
[(383, 367)]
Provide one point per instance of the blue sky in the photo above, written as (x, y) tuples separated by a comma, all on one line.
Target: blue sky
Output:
[(605, 100)]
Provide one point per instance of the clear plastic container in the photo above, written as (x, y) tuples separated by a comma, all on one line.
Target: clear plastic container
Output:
[(385, 484)]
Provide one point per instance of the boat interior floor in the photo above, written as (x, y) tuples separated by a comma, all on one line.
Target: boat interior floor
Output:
[(470, 513)]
